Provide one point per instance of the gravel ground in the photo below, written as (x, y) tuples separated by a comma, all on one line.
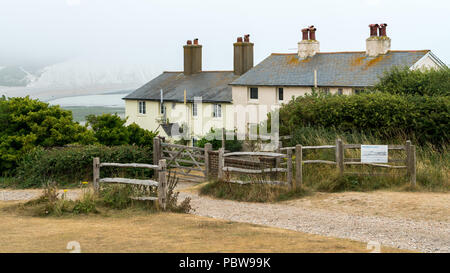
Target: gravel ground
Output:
[(418, 235)]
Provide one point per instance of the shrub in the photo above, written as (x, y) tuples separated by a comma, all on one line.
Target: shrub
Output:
[(405, 81), (421, 118), (214, 137), (28, 123), (73, 164)]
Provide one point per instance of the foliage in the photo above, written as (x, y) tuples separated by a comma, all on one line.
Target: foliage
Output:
[(214, 137), (251, 192), (139, 136), (405, 81), (172, 197), (109, 129), (74, 164), (27, 123), (383, 115)]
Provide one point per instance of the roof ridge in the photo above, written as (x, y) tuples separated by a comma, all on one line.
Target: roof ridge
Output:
[(348, 52), (208, 71)]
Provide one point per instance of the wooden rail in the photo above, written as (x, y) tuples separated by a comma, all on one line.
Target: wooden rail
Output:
[(161, 183)]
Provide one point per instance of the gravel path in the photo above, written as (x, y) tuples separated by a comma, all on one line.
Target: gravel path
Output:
[(423, 236)]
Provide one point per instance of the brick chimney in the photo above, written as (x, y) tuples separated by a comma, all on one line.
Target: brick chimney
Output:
[(377, 44), (192, 57), (243, 55), (308, 46)]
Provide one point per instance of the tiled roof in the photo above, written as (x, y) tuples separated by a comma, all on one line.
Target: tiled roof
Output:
[(212, 86), (333, 69)]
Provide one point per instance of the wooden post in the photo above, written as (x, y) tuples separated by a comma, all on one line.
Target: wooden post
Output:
[(412, 164), (96, 174), (278, 160), (289, 169), (208, 147), (220, 164), (162, 184), (340, 156), (408, 158), (223, 138), (156, 152), (298, 165)]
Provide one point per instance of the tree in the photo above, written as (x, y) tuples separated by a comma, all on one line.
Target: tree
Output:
[(109, 129)]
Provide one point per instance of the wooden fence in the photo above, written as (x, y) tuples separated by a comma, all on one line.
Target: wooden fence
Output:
[(226, 170), (341, 161), (186, 162), (161, 183)]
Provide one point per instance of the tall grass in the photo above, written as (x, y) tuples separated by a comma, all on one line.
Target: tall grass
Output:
[(432, 168)]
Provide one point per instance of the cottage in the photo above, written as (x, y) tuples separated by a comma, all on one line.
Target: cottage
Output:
[(197, 100)]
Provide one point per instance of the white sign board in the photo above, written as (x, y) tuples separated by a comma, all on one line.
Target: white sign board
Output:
[(374, 153)]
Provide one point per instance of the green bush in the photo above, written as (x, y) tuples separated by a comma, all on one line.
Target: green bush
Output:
[(405, 81), (28, 123), (214, 137), (74, 164), (421, 118)]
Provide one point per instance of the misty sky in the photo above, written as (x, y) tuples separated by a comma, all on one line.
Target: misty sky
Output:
[(146, 31)]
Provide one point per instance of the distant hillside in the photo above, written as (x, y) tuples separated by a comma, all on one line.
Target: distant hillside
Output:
[(18, 75)]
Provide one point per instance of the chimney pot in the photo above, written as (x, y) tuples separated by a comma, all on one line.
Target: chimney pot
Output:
[(247, 38), (195, 41), (189, 42), (305, 34), (239, 39), (312, 33), (373, 30), (383, 30)]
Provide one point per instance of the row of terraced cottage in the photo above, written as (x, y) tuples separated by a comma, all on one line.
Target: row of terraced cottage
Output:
[(197, 100)]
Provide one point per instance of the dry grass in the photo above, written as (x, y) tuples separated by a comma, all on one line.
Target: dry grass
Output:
[(138, 231)]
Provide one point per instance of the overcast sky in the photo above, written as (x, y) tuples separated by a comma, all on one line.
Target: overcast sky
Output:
[(149, 31)]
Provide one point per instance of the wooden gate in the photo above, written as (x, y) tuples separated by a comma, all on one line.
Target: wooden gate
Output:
[(186, 162)]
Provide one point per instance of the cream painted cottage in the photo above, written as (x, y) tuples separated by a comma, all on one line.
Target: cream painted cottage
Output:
[(197, 100)]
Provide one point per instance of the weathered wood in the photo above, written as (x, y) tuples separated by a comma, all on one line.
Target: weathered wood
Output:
[(257, 182), (340, 156), (223, 138), (120, 180), (319, 147), (96, 174), (319, 161), (162, 181), (145, 198), (289, 169), (352, 146), (376, 165), (412, 163), (253, 171), (187, 174), (298, 165), (183, 178), (278, 150), (208, 147), (182, 147), (129, 165), (156, 152), (183, 161), (189, 168), (221, 164), (358, 146), (184, 154), (254, 154), (408, 158)]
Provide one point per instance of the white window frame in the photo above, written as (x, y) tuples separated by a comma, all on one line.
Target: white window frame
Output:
[(250, 94), (217, 110), (142, 107), (194, 109), (278, 93)]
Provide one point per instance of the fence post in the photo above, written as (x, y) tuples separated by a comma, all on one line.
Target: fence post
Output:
[(412, 164), (220, 164), (289, 169), (340, 156), (96, 174), (156, 152), (408, 158), (208, 147), (223, 138), (278, 159), (162, 184), (298, 165)]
